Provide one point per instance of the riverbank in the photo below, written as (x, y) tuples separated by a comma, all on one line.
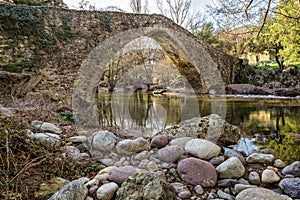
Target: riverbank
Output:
[(39, 158)]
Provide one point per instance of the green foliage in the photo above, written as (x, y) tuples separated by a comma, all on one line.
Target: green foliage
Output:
[(18, 67), (93, 167), (205, 31), (266, 64), (105, 21), (68, 116), (280, 36), (19, 22), (206, 34), (287, 148), (287, 25)]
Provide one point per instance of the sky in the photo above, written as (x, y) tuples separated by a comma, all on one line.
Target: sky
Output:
[(197, 5)]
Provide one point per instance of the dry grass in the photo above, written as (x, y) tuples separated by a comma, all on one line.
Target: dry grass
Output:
[(24, 165)]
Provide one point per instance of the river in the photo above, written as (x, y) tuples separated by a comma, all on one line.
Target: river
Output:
[(268, 121)]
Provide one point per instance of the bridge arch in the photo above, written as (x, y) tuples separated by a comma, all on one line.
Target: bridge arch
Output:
[(190, 58)]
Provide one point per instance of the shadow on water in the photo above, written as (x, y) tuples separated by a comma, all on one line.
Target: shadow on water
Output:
[(268, 122)]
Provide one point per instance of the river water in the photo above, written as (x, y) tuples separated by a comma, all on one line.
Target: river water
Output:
[(268, 121)]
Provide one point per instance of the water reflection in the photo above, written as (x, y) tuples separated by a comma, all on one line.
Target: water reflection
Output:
[(145, 112), (267, 122)]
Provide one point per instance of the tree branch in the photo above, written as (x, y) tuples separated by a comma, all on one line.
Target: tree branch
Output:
[(247, 8), (265, 18)]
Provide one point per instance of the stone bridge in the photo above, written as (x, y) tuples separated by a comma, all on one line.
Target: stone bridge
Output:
[(56, 44)]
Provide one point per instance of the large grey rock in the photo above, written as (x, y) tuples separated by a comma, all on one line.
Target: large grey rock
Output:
[(75, 155), (197, 172), (259, 194), (78, 139), (279, 163), (120, 174), (213, 128), (129, 147), (146, 186), (291, 187), (107, 191), (74, 190), (247, 89), (231, 168), (269, 176), (104, 140), (170, 153), (293, 169), (254, 178), (203, 149), (46, 127), (260, 158), (49, 140), (224, 195)]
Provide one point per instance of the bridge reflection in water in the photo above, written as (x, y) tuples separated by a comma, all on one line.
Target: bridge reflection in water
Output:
[(144, 111), (271, 123)]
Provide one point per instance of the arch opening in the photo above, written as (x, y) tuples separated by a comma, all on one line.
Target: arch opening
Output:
[(190, 58)]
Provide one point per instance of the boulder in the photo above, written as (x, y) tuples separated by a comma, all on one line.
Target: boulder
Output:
[(289, 92), (46, 127), (247, 89), (254, 178), (170, 153), (224, 195), (197, 172), (103, 174), (269, 176), (104, 140), (159, 141), (213, 128), (293, 169), (74, 190), (291, 187), (49, 140), (77, 139), (259, 194), (120, 174), (279, 163), (233, 153), (203, 149), (231, 168), (129, 147), (180, 141), (107, 191), (260, 158), (146, 186), (75, 155)]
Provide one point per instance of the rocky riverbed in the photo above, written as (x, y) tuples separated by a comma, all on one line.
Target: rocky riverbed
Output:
[(186, 161)]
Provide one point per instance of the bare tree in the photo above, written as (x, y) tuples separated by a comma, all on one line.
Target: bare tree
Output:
[(86, 5), (238, 13), (136, 6), (177, 10)]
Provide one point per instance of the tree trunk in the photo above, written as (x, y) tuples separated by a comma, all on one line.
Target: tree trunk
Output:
[(279, 62)]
